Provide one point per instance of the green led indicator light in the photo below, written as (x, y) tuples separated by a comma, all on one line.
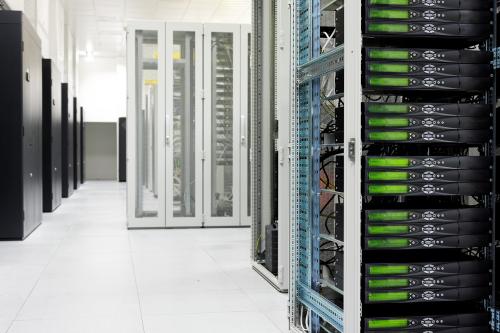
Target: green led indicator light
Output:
[(388, 162), (388, 296), (389, 68), (388, 230), (388, 189), (389, 81), (388, 175), (388, 27), (389, 2), (389, 216), (390, 55), (388, 323), (388, 243), (388, 122), (389, 269), (388, 283), (389, 136), (389, 14)]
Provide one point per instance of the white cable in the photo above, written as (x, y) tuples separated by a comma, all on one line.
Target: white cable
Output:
[(302, 318), (307, 320)]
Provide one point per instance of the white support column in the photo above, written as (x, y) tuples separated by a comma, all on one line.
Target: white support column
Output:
[(352, 167)]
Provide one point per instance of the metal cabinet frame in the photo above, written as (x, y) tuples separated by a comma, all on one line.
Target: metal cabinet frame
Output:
[(271, 54)]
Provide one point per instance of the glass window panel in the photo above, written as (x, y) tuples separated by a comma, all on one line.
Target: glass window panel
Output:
[(184, 131), (146, 49), (222, 124)]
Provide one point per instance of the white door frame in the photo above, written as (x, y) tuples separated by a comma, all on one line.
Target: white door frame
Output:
[(246, 220), (132, 122), (196, 221), (233, 220)]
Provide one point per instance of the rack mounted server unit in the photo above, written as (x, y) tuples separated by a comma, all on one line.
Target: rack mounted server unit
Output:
[(429, 171), (52, 137), (67, 142), (76, 145), (20, 126)]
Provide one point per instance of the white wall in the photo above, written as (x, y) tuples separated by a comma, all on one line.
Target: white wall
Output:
[(49, 18), (102, 89), (16, 4)]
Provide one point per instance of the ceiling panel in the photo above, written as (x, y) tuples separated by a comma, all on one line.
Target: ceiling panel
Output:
[(100, 23)]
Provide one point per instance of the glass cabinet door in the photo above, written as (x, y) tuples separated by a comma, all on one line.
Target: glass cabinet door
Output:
[(145, 110), (222, 125), (184, 124)]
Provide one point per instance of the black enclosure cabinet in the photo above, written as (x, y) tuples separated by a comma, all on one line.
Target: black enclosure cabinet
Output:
[(52, 165), (82, 147), (122, 149), (67, 142), (76, 145), (20, 127)]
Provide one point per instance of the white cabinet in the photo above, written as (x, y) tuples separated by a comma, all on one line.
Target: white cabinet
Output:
[(187, 151)]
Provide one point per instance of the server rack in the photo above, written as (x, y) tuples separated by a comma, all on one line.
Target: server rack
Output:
[(270, 141), (52, 138), (67, 142), (82, 147), (202, 81), (76, 145), (20, 126), (337, 143), (122, 149)]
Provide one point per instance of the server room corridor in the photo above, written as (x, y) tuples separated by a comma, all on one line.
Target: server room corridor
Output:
[(83, 271)]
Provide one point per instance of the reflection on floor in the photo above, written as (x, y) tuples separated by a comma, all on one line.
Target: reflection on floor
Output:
[(83, 272)]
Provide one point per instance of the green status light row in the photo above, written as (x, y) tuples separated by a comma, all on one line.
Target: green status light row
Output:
[(389, 54), (388, 162), (389, 122), (390, 2), (388, 189), (388, 269), (388, 216), (389, 136), (389, 296), (388, 283), (390, 68), (388, 175), (388, 323), (388, 108), (375, 230), (389, 81), (388, 243), (388, 27), (389, 14)]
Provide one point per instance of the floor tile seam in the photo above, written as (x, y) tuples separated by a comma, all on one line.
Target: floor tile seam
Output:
[(224, 271), (49, 261), (136, 283)]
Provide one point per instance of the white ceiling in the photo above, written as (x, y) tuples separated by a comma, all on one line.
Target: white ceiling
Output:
[(101, 23)]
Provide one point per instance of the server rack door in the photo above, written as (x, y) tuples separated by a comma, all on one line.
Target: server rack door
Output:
[(70, 147), (122, 149), (56, 138), (82, 147), (31, 76), (222, 125), (51, 137), (76, 145), (146, 136), (184, 162), (64, 141)]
